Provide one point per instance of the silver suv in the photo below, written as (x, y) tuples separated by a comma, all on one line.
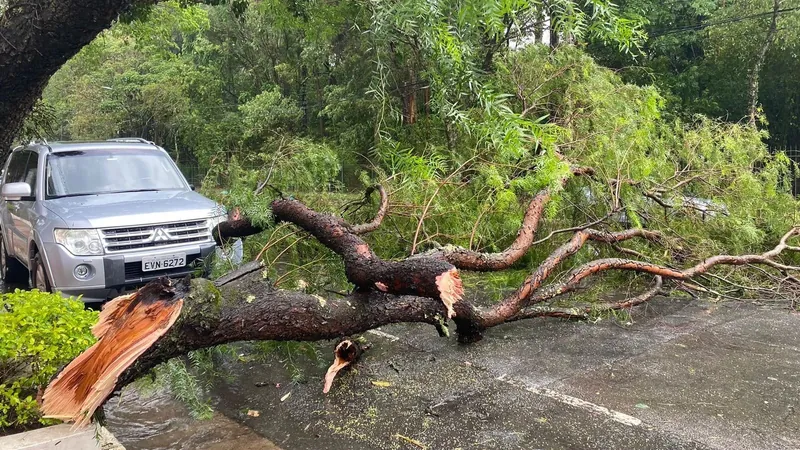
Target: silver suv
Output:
[(100, 218)]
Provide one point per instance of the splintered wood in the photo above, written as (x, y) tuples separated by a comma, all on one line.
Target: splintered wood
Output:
[(128, 326), (450, 290), (346, 353)]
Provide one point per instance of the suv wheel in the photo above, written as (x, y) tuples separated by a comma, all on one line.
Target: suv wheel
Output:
[(39, 275), (10, 269)]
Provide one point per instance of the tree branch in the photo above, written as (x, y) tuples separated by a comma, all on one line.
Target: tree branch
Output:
[(512, 305), (373, 225), (585, 312), (426, 277), (466, 259), (602, 265), (231, 229)]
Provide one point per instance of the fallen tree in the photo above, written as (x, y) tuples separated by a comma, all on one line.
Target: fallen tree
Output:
[(168, 318)]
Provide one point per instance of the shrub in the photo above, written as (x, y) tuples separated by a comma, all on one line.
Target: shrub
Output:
[(39, 333)]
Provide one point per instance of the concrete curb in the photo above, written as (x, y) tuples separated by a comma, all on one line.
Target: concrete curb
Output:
[(62, 437)]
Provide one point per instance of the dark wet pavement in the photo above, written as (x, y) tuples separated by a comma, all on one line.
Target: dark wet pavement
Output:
[(684, 375)]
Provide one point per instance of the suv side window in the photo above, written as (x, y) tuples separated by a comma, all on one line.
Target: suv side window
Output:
[(16, 168), (31, 171)]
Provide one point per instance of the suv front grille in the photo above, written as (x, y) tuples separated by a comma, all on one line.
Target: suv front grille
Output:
[(151, 236)]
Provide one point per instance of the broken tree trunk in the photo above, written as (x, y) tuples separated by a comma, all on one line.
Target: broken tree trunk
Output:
[(167, 318), (128, 326)]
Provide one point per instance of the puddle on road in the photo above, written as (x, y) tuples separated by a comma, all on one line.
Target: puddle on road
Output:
[(159, 422)]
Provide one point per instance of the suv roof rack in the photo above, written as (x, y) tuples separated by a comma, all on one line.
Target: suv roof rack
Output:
[(40, 140), (131, 139)]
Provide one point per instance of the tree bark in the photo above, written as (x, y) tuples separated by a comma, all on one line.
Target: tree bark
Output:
[(762, 55), (36, 38), (427, 277)]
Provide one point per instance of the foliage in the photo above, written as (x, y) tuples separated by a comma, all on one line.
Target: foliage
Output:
[(284, 164), (458, 108), (619, 130), (701, 55), (186, 387), (39, 333)]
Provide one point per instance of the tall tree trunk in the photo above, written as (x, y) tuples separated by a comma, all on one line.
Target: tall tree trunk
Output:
[(409, 98), (36, 38), (762, 55), (554, 37), (538, 28)]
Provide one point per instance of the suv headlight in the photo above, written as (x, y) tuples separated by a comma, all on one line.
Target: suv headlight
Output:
[(83, 242)]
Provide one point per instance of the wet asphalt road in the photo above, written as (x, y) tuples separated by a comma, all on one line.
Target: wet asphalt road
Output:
[(684, 375)]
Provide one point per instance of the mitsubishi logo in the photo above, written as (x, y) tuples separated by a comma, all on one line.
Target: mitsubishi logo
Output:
[(161, 235)]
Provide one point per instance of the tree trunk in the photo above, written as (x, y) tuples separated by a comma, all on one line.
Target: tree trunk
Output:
[(36, 38), (408, 96), (538, 28), (762, 55)]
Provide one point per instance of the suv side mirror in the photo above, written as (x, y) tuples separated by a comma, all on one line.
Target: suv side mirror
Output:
[(192, 187), (15, 191)]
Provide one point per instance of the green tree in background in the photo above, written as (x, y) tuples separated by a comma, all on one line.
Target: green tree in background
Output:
[(705, 55), (463, 109)]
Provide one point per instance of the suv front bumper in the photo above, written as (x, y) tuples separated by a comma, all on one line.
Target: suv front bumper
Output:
[(116, 273)]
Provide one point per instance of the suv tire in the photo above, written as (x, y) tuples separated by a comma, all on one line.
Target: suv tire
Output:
[(11, 270), (39, 278)]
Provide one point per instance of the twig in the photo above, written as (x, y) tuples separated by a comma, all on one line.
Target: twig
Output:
[(411, 441), (577, 228), (629, 251), (301, 267), (270, 243), (430, 201)]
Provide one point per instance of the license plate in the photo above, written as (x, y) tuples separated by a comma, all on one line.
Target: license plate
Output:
[(164, 262)]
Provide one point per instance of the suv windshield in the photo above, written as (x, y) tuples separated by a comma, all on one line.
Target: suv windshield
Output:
[(106, 172)]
